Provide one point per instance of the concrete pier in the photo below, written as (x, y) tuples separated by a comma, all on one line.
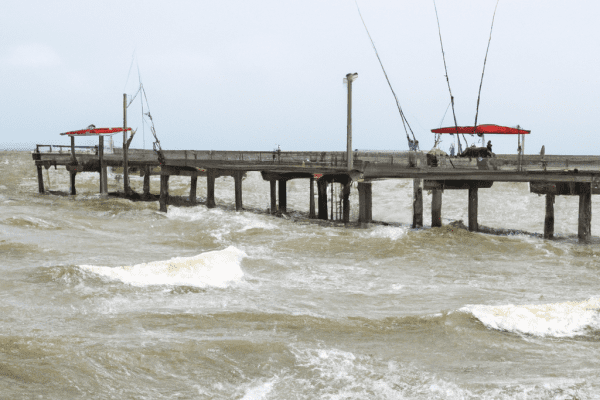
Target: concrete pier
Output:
[(273, 184), (322, 195), (193, 188), (584, 231), (72, 180), (40, 177), (237, 177), (282, 189), (210, 188), (365, 202), (311, 212), (164, 193)]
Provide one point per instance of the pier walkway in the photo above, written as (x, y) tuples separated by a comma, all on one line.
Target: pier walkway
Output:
[(549, 175)]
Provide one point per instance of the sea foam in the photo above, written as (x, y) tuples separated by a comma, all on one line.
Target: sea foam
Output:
[(212, 269), (568, 319)]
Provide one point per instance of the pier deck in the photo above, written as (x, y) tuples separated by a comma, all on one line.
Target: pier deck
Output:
[(550, 175)]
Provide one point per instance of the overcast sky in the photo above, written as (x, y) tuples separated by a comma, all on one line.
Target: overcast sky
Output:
[(249, 75)]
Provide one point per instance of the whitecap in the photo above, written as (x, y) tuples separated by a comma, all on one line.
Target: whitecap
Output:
[(568, 319), (386, 232), (212, 269)]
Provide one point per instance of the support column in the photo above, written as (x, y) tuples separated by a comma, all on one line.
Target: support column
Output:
[(73, 149), (311, 213), (164, 192), (40, 180), (436, 207), (473, 225), (322, 192), (282, 196), (146, 181), (417, 203), (549, 220), (346, 202), (584, 231), (273, 184), (237, 177), (210, 188), (193, 185), (103, 176), (73, 191)]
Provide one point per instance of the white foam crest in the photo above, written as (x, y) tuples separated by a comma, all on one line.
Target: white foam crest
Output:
[(212, 269), (260, 391), (191, 213), (568, 319), (386, 232)]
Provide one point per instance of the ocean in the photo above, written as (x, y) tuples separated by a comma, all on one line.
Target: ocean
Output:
[(111, 299)]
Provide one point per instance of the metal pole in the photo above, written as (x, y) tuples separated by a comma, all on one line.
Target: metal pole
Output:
[(126, 188), (349, 79)]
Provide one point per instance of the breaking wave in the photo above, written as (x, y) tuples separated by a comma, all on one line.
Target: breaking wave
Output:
[(212, 269), (569, 319)]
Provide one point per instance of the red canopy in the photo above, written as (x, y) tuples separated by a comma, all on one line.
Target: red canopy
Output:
[(95, 131), (486, 129)]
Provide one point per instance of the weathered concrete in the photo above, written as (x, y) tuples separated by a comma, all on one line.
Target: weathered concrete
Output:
[(40, 179), (365, 202), (193, 188), (584, 230), (473, 199), (282, 186), (210, 188), (346, 202), (549, 219), (164, 193), (73, 191), (417, 203), (273, 185), (436, 207), (311, 212), (322, 195), (237, 177)]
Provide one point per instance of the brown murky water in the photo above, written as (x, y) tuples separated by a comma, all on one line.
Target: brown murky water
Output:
[(106, 298)]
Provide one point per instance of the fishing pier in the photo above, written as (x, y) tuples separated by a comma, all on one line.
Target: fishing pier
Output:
[(548, 175)]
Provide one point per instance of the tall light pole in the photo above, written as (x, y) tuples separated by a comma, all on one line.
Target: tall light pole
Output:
[(349, 79)]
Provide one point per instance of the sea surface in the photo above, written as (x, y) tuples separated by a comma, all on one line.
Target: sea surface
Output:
[(104, 298)]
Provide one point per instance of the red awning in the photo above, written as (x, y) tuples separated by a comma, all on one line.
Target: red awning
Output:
[(95, 131), (486, 129)]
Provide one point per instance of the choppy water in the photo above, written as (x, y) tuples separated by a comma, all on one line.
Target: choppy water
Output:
[(106, 298)]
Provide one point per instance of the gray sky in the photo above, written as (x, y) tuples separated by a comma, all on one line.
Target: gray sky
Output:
[(248, 75)]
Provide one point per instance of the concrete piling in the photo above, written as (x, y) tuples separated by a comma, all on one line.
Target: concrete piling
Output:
[(40, 179), (210, 188), (417, 203), (473, 193), (193, 188), (365, 208), (322, 198), (273, 184), (584, 230), (549, 219), (146, 181), (164, 193), (237, 177), (73, 191), (282, 195), (311, 213), (436, 208)]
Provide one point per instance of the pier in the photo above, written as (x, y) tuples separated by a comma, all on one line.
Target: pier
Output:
[(548, 175)]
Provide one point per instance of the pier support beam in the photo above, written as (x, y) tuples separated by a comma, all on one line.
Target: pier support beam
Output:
[(273, 184), (584, 231), (311, 212), (73, 191), (210, 188), (237, 177), (346, 202), (417, 203), (193, 186), (40, 179), (282, 195), (164, 192), (146, 181), (549, 220), (473, 192), (322, 192), (365, 212), (103, 175), (436, 208)]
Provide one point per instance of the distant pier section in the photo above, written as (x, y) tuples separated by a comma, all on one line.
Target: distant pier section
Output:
[(549, 175)]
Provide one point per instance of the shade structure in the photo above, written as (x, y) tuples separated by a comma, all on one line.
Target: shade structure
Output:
[(95, 131), (483, 129)]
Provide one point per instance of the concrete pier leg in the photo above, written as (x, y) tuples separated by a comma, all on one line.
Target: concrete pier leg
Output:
[(417, 203), (146, 181), (73, 191), (282, 196), (237, 177), (273, 184), (103, 168), (584, 231), (312, 213), (40, 179), (164, 193), (549, 220), (473, 225), (193, 186), (436, 207), (210, 188), (346, 202), (322, 193)]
